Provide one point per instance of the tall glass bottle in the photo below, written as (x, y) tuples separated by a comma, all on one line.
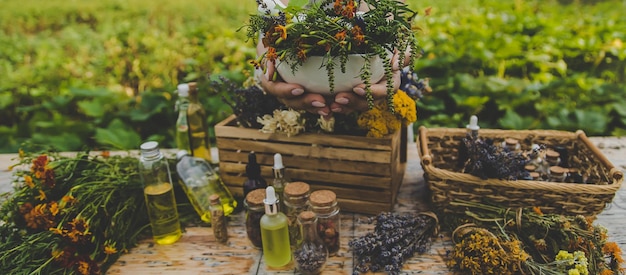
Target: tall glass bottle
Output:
[(199, 181), (274, 232), (253, 172), (182, 125), (196, 115), (296, 197), (159, 194), (280, 181), (310, 254)]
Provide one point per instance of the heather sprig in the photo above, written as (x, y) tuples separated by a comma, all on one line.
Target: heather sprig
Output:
[(396, 237)]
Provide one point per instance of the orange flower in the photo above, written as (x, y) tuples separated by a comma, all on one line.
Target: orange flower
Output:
[(105, 154), (110, 249), (359, 37), (537, 210), (48, 178), (54, 208), (338, 7), (301, 54), (281, 30), (349, 10), (29, 181), (606, 272), (42, 196), (84, 268), (612, 249), (56, 230), (271, 54), (39, 166), (340, 36)]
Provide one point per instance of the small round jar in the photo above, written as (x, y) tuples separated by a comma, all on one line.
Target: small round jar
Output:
[(255, 209), (511, 144), (553, 157), (324, 204), (558, 174), (296, 195)]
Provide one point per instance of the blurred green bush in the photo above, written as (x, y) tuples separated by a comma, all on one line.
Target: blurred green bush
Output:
[(102, 74)]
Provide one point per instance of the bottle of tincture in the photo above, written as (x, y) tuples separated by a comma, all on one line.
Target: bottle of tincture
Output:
[(199, 143), (159, 194), (182, 124), (280, 179), (310, 254), (253, 172), (199, 181), (274, 233), (218, 221)]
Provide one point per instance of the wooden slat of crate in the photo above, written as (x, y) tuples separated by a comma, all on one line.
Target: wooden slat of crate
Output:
[(364, 172)]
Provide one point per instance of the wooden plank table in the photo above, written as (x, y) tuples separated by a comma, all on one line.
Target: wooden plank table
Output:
[(198, 253)]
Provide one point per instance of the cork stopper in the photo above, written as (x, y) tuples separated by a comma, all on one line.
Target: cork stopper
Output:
[(306, 216), (322, 198), (530, 168), (535, 175), (297, 189), (557, 170), (256, 197), (511, 142), (551, 154), (214, 199)]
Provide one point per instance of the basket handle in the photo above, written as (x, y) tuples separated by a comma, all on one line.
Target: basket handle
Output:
[(424, 154), (615, 173)]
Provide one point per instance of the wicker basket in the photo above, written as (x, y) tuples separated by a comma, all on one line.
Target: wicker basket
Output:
[(438, 149)]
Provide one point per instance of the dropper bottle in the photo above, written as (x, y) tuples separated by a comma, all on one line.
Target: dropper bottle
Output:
[(253, 172), (280, 181), (274, 232), (473, 127)]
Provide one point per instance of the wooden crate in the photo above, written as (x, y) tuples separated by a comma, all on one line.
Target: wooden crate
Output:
[(365, 173)]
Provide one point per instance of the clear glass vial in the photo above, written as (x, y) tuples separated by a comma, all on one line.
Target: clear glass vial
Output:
[(296, 195), (311, 254), (324, 204)]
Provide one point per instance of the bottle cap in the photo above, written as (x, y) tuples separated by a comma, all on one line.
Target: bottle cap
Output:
[(149, 149), (256, 197), (473, 125), (214, 199), (270, 195), (183, 89), (296, 189), (307, 215), (322, 198), (278, 161), (180, 154)]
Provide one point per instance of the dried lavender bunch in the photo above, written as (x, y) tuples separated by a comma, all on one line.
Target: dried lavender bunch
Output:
[(483, 159), (396, 237), (247, 103)]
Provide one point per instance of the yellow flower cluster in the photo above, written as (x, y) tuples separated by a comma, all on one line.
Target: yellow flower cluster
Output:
[(572, 264), (380, 121), (484, 253)]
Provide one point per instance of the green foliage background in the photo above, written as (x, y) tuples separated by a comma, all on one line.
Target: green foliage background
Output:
[(102, 74)]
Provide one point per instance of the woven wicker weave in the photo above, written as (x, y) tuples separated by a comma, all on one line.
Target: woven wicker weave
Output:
[(438, 148)]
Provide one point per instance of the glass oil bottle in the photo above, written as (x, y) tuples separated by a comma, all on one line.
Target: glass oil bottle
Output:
[(198, 137), (200, 181), (280, 180), (159, 194), (218, 221), (274, 233), (253, 172)]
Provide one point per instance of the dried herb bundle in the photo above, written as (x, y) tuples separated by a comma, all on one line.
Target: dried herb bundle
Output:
[(481, 158), (395, 238), (247, 103), (71, 215), (551, 243)]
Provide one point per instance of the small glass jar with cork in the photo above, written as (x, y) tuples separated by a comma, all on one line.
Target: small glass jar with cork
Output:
[(296, 196), (255, 208), (324, 204)]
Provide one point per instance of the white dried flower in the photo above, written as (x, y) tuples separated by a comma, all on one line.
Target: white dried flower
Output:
[(285, 121), (327, 125)]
